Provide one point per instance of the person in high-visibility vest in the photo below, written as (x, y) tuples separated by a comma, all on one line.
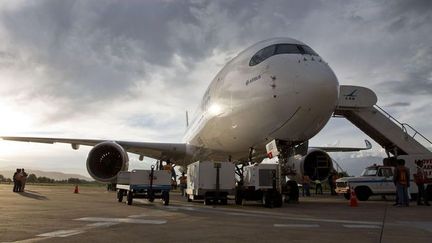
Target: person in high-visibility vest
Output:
[(419, 179)]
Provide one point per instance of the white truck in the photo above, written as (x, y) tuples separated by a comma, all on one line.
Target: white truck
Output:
[(378, 179), (148, 184), (211, 181), (259, 184)]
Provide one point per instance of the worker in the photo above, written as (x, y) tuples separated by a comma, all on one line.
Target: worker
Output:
[(419, 179), (306, 185), (402, 181), (15, 181), (23, 179), (183, 183), (318, 187), (331, 182), (169, 167)]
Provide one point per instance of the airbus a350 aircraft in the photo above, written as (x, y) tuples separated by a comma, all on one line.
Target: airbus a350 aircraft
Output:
[(276, 89)]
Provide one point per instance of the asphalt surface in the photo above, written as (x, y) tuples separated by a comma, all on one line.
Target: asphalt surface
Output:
[(56, 214)]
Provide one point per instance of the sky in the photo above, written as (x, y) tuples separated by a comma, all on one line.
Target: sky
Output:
[(129, 69)]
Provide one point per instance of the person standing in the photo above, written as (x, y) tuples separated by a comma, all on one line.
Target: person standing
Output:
[(318, 187), (402, 181), (306, 185), (331, 181), (23, 179), (15, 180), (183, 183), (419, 179)]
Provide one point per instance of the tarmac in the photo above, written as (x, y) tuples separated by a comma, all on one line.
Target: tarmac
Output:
[(56, 214)]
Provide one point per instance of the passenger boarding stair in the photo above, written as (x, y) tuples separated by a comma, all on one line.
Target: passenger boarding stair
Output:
[(358, 105)]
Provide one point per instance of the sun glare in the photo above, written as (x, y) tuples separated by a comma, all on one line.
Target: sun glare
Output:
[(13, 122)]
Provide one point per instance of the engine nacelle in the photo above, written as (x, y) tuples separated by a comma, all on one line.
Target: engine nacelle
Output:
[(316, 164), (105, 160)]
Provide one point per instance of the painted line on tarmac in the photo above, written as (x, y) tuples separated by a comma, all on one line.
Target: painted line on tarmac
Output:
[(361, 226), (297, 225), (260, 214), (143, 215), (98, 223), (62, 233), (102, 224), (122, 220), (425, 225)]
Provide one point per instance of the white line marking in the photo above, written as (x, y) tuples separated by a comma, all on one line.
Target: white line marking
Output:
[(61, 233), (361, 226), (138, 215), (101, 224), (122, 220), (297, 225)]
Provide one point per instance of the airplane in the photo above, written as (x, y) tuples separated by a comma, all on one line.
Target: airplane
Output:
[(277, 89)]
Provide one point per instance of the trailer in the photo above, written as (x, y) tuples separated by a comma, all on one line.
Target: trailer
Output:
[(211, 181), (259, 183), (150, 184)]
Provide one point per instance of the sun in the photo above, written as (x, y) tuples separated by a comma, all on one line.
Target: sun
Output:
[(13, 121)]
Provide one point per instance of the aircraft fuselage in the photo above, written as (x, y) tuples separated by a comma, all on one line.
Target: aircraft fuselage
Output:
[(287, 96)]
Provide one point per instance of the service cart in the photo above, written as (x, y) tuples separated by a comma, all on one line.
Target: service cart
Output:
[(148, 184)]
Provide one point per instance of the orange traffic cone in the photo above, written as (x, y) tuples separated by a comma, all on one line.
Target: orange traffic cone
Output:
[(353, 199), (76, 189)]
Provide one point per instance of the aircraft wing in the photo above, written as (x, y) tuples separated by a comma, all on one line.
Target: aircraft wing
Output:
[(345, 149), (153, 150)]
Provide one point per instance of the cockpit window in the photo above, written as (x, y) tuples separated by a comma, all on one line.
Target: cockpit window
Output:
[(287, 49), (308, 50), (272, 50), (262, 55)]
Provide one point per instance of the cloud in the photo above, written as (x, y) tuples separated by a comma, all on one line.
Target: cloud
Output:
[(118, 69)]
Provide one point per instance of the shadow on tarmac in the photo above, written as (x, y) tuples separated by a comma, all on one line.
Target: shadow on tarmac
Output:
[(33, 195)]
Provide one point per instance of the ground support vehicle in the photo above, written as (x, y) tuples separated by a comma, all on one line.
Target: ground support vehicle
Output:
[(210, 181), (378, 179), (259, 184), (148, 184)]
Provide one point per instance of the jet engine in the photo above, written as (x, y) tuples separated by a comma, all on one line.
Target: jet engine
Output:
[(105, 160), (316, 164)]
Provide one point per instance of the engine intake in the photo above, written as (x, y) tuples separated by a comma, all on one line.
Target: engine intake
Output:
[(317, 165), (105, 160)]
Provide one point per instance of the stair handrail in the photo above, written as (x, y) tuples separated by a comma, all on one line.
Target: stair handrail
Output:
[(416, 132), (404, 125)]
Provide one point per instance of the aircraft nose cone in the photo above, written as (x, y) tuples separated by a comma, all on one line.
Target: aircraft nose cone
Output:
[(318, 87)]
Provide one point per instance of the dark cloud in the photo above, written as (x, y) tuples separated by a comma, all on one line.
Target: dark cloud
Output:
[(85, 55), (398, 104)]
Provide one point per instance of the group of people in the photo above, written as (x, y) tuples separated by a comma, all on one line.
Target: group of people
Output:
[(19, 179), (401, 180), (307, 183), (169, 167)]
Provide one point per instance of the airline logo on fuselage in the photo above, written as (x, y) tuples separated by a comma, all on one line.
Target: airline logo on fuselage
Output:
[(351, 96), (249, 81)]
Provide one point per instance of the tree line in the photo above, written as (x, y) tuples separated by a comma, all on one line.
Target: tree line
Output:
[(32, 178)]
